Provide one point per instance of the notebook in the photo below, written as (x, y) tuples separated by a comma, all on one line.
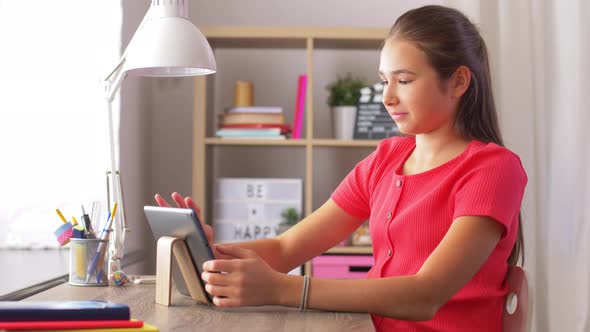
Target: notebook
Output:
[(11, 311), (146, 328), (68, 325)]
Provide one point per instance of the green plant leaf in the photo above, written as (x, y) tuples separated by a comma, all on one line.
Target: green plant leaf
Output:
[(345, 91), (290, 217)]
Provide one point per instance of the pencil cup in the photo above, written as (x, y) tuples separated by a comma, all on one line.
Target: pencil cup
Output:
[(88, 259)]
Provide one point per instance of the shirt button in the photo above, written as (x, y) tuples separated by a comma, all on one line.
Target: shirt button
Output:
[(389, 214), (398, 183), (389, 253)]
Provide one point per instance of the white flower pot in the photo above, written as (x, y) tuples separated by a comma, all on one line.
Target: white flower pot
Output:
[(343, 121)]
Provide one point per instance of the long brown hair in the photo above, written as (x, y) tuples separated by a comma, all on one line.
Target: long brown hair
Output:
[(450, 40)]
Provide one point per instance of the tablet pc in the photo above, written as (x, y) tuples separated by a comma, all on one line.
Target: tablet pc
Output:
[(183, 224)]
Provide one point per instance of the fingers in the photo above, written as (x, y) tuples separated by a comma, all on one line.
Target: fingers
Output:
[(215, 278), (226, 302), (161, 201), (217, 290), (179, 200), (184, 203), (191, 204), (241, 281), (223, 289), (235, 251), (221, 265)]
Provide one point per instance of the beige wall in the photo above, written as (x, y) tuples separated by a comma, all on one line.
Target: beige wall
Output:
[(156, 125), (135, 123)]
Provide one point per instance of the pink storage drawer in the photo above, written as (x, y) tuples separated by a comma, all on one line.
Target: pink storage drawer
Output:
[(341, 266)]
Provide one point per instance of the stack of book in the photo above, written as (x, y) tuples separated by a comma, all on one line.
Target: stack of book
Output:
[(253, 122), (72, 316)]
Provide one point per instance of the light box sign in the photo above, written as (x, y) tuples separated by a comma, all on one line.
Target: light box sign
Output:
[(233, 232), (250, 208)]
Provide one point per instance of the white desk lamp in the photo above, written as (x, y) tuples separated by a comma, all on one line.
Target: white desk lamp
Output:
[(166, 44)]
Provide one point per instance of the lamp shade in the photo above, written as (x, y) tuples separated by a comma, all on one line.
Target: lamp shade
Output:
[(169, 46)]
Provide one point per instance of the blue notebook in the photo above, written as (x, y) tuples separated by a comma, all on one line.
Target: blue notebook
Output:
[(11, 311)]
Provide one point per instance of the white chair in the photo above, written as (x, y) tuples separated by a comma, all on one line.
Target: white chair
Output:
[(516, 301)]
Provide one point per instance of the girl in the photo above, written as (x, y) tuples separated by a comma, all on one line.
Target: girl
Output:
[(443, 201)]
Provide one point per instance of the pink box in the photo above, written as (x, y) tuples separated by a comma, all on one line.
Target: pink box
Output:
[(341, 266)]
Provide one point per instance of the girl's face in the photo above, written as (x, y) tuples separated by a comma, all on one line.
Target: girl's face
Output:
[(416, 99)]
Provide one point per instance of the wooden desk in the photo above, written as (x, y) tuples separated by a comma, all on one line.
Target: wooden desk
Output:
[(186, 315)]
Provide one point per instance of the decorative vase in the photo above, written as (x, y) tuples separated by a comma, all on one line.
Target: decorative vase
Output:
[(343, 118)]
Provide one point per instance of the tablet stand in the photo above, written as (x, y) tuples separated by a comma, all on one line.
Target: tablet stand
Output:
[(165, 248)]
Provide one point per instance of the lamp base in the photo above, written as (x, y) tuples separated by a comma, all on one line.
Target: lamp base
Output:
[(119, 226), (114, 265)]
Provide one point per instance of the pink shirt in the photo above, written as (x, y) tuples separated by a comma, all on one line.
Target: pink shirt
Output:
[(409, 216)]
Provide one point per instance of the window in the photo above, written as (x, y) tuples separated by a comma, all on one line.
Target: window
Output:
[(53, 115)]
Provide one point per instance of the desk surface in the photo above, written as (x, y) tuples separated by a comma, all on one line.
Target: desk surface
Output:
[(186, 315)]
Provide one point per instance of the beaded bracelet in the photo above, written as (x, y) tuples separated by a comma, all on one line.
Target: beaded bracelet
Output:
[(303, 305)]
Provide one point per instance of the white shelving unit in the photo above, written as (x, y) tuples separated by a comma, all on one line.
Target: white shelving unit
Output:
[(215, 157)]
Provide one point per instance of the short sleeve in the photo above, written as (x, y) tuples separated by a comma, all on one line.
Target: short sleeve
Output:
[(494, 187), (353, 194)]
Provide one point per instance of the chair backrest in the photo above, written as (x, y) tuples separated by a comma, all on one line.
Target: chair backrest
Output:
[(516, 301)]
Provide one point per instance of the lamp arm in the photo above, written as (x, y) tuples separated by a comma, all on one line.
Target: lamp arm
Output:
[(114, 80), (112, 85)]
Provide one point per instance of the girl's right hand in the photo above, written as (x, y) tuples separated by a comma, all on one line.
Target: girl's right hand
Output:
[(189, 203)]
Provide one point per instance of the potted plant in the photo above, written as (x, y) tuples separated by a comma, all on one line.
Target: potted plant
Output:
[(343, 97), (290, 217)]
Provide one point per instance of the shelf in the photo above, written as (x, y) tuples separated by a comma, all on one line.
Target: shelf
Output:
[(294, 37), (321, 162), (282, 32), (292, 142), (345, 143), (351, 250), (259, 142)]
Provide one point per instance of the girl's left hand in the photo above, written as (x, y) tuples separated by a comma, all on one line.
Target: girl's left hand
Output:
[(245, 280)]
